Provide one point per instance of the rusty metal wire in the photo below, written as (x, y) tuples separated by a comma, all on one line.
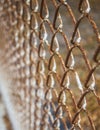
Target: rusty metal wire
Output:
[(48, 92)]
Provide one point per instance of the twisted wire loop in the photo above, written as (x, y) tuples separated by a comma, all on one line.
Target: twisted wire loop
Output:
[(48, 92)]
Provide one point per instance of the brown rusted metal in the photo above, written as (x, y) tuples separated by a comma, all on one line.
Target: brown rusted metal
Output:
[(43, 89)]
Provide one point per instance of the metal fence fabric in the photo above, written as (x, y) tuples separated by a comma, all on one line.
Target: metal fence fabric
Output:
[(49, 91)]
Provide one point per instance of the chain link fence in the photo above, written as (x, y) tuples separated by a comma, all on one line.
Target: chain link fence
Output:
[(54, 73)]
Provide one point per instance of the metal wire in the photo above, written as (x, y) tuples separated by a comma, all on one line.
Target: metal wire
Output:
[(43, 90)]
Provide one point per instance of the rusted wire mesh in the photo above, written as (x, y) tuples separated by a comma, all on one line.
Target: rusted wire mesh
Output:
[(52, 87)]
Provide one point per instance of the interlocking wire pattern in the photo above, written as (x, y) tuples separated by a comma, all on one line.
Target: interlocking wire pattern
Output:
[(48, 92)]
